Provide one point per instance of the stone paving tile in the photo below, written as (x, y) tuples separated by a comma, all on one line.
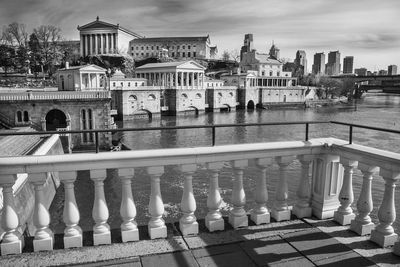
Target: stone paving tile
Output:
[(233, 259), (273, 251), (178, 259), (128, 262), (351, 259), (302, 262), (316, 245), (215, 250)]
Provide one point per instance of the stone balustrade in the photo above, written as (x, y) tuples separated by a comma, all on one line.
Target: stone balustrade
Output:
[(58, 95), (320, 194)]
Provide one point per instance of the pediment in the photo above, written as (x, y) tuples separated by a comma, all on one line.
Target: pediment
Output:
[(191, 65), (98, 25), (92, 68)]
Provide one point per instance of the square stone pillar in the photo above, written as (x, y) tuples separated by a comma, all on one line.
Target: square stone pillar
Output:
[(327, 177)]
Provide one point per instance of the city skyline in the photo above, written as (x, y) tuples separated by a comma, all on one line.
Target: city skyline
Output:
[(313, 26)]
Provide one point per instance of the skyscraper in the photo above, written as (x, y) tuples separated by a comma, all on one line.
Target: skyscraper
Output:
[(333, 65), (348, 64), (319, 63), (301, 61), (392, 70), (247, 45)]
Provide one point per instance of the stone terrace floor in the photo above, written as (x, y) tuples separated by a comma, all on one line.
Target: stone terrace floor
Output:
[(306, 242)]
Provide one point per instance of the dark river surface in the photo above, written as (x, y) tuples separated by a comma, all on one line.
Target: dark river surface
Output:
[(380, 110)]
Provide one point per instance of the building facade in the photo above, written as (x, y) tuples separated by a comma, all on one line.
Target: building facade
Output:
[(184, 48), (348, 65), (392, 70), (247, 45), (333, 65), (300, 62), (361, 71), (81, 78), (103, 38), (319, 64)]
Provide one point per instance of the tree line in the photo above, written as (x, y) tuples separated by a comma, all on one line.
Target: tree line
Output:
[(42, 50)]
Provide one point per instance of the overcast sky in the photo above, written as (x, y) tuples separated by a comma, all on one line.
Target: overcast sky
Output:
[(369, 30)]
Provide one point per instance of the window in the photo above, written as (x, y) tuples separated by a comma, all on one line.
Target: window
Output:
[(177, 54), (135, 84), (188, 54), (188, 46), (132, 48), (184, 96), (87, 123), (19, 116), (26, 116), (198, 96), (137, 47), (219, 94), (278, 73), (270, 73), (152, 47), (173, 54), (122, 84), (177, 47), (231, 94), (183, 54), (263, 73), (183, 47), (129, 84), (151, 97), (113, 84), (147, 48), (194, 54), (132, 98), (142, 47), (142, 54)]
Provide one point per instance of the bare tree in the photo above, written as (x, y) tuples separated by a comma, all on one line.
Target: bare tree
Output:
[(235, 55), (15, 34), (225, 55)]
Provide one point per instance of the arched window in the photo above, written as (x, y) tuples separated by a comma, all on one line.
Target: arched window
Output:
[(19, 116), (129, 84), (231, 94), (278, 73), (184, 96), (151, 97), (62, 81), (26, 116), (219, 94), (198, 96), (132, 98), (270, 73), (87, 123)]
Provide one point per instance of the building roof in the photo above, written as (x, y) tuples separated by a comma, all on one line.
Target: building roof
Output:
[(84, 67), (170, 65), (18, 145), (173, 39), (265, 58), (101, 24)]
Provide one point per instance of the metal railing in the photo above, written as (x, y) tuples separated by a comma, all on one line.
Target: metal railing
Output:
[(212, 127)]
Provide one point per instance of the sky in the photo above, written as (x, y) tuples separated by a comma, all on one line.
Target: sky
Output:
[(368, 30)]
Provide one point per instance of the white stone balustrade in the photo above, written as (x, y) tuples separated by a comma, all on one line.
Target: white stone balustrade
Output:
[(72, 232), (344, 215), (321, 194), (260, 214), (362, 223), (129, 230), (101, 230), (281, 210)]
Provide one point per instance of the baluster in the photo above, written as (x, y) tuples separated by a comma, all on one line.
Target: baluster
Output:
[(156, 226), (281, 211), (214, 220), (237, 215), (41, 218), (384, 234), (101, 230), (12, 242), (188, 224), (72, 232), (260, 214), (302, 208), (344, 215), (362, 224), (129, 230)]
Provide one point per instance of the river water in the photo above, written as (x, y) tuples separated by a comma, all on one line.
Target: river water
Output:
[(381, 110)]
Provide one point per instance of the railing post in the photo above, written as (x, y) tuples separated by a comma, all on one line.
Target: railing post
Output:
[(101, 230), (129, 230), (344, 215), (260, 214), (156, 226), (302, 208), (351, 135), (214, 220), (384, 234), (213, 136), (44, 237), (12, 242), (97, 141), (362, 224), (307, 125), (188, 223), (72, 232), (237, 215), (281, 211)]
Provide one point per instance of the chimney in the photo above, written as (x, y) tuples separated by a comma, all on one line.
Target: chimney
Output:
[(66, 65)]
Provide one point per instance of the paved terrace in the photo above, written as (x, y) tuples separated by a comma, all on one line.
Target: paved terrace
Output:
[(306, 242)]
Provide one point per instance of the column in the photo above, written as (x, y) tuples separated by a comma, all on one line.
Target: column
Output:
[(384, 234), (303, 208), (238, 216), (198, 80), (214, 220), (281, 211), (176, 80), (344, 215), (12, 240), (101, 230), (188, 223), (82, 51), (362, 223), (115, 47), (87, 48), (156, 226), (129, 230), (260, 213), (44, 237), (101, 44), (106, 46), (72, 232)]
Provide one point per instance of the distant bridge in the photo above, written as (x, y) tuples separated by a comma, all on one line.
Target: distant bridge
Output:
[(358, 79)]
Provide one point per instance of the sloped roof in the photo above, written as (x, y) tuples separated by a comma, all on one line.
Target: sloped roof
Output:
[(265, 58), (19, 145), (169, 64), (173, 39), (84, 67), (102, 24)]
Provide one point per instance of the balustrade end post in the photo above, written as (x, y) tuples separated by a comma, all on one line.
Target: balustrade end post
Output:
[(396, 248), (326, 182)]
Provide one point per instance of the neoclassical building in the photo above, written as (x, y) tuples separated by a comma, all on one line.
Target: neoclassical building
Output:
[(184, 48), (99, 37), (81, 78)]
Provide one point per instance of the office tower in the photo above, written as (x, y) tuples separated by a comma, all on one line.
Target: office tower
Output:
[(333, 65), (301, 61), (319, 63), (348, 65), (392, 70)]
